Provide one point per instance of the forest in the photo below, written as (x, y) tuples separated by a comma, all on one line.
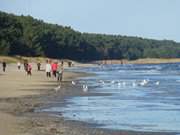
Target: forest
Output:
[(27, 36)]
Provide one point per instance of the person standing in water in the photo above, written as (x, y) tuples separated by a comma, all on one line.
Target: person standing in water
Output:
[(4, 66)]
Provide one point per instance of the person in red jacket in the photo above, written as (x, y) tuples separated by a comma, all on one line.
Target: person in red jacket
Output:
[(29, 69), (54, 67)]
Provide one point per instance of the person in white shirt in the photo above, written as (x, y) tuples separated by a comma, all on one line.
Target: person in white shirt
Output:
[(19, 65), (48, 69)]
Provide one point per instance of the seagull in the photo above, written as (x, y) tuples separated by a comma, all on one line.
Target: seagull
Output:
[(73, 83), (119, 84), (101, 81), (85, 88), (134, 84), (157, 83), (144, 82), (57, 88), (112, 81), (124, 83)]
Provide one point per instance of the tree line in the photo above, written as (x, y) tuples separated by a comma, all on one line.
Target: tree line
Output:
[(26, 36)]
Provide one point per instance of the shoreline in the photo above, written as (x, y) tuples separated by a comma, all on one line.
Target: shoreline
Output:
[(15, 59), (140, 61), (31, 122)]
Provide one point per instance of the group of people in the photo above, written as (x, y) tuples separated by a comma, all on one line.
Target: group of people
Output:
[(27, 67), (55, 68)]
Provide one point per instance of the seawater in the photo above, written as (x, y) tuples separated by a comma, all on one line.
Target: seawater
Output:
[(141, 98)]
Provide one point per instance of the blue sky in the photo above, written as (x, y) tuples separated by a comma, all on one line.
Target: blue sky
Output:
[(157, 19)]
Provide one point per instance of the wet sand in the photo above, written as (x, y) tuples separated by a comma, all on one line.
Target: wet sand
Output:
[(21, 97)]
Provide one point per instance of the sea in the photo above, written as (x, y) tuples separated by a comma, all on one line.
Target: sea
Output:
[(134, 97)]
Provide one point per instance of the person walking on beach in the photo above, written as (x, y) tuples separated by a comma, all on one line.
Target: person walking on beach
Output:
[(29, 69), (69, 63), (39, 66), (60, 70), (4, 66), (48, 69), (19, 65), (26, 65), (54, 67)]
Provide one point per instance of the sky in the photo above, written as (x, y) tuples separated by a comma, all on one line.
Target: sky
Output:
[(154, 19)]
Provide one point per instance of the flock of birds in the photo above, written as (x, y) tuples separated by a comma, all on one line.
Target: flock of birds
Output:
[(133, 83), (84, 87), (120, 84)]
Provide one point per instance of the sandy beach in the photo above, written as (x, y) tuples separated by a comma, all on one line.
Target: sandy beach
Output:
[(21, 96), (14, 84), (88, 67)]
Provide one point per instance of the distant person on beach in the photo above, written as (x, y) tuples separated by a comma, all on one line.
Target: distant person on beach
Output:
[(25, 65), (48, 69), (69, 63), (54, 67), (29, 69), (122, 62), (60, 70), (4, 66), (39, 66), (19, 65)]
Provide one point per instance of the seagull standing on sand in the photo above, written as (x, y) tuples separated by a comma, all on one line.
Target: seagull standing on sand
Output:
[(57, 88), (73, 83)]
